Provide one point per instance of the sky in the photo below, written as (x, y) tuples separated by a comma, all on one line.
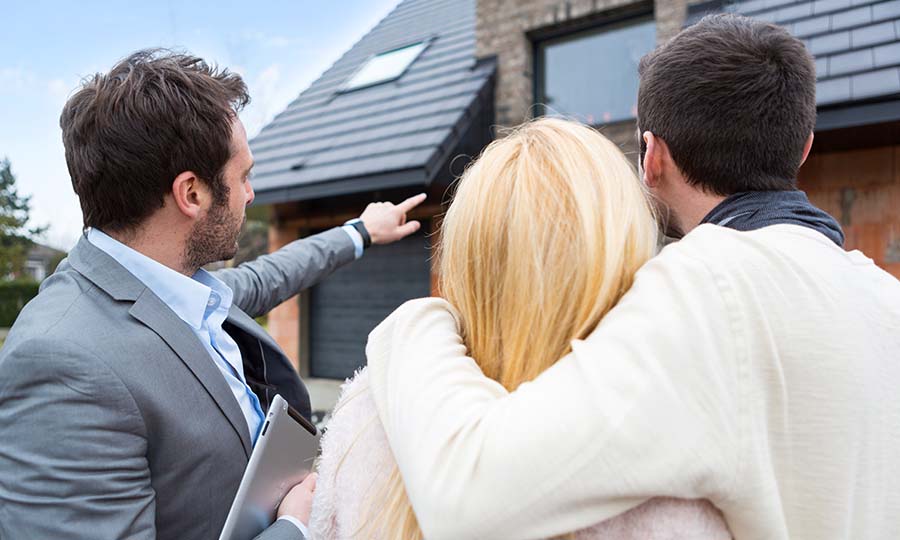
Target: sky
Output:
[(46, 47)]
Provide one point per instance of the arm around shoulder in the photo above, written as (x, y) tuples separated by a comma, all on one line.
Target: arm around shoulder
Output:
[(645, 406), (73, 459)]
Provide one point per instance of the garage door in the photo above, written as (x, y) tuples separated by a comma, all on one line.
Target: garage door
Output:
[(344, 308)]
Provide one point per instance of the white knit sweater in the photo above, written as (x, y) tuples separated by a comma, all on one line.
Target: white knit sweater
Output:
[(758, 370), (356, 461)]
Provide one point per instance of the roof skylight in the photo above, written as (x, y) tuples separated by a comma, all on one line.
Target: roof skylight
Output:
[(385, 67)]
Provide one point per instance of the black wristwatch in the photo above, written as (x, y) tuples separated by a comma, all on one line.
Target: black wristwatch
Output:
[(361, 229)]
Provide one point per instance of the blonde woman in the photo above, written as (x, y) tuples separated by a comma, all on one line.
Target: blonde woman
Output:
[(544, 236)]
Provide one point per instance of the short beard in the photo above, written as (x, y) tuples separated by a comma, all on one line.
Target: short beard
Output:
[(214, 238)]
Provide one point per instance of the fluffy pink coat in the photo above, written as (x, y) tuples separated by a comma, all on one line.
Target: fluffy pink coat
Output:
[(356, 461)]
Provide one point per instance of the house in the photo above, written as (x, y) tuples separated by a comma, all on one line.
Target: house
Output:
[(41, 261), (388, 120), (407, 106)]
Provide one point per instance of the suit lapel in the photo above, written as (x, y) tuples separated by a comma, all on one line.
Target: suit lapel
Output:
[(151, 311), (101, 269)]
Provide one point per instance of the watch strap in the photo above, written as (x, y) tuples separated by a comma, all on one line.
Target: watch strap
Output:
[(361, 229)]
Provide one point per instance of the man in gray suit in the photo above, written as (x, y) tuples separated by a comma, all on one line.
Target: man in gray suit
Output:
[(133, 387)]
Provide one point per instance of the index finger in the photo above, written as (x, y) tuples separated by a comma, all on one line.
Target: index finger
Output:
[(411, 202)]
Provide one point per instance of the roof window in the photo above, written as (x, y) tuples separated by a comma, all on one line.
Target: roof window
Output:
[(384, 67)]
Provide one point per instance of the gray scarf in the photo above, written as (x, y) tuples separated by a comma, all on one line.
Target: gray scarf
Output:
[(752, 210)]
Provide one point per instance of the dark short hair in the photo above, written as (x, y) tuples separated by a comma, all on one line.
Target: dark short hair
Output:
[(734, 99), (128, 133)]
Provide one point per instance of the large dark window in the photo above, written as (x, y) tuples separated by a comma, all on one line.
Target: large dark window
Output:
[(592, 75)]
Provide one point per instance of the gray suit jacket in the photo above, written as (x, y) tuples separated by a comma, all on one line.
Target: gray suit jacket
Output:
[(114, 420)]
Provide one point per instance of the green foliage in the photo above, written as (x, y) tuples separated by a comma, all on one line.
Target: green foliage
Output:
[(13, 297), (263, 320), (15, 236)]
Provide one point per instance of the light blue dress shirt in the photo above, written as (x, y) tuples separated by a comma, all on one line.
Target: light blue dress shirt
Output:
[(202, 302), (357, 240)]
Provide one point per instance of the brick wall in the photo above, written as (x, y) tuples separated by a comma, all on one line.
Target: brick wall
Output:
[(861, 188), (502, 30), (283, 322)]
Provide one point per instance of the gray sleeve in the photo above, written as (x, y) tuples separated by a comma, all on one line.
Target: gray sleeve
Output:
[(281, 530), (262, 284), (73, 454)]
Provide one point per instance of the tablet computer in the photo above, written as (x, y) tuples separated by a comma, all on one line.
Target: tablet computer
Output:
[(282, 457)]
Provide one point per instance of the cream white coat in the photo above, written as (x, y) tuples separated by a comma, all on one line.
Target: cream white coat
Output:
[(356, 462), (759, 370)]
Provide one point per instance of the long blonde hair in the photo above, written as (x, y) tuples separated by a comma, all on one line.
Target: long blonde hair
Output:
[(545, 233)]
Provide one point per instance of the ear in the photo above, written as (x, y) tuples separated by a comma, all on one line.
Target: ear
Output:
[(807, 147), (189, 194), (653, 159)]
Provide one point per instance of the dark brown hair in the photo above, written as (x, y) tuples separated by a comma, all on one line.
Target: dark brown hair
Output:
[(128, 133), (735, 101)]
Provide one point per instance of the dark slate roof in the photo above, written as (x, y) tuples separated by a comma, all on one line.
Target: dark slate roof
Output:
[(856, 43), (399, 133)]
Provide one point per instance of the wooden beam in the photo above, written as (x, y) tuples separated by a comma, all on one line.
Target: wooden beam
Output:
[(324, 221)]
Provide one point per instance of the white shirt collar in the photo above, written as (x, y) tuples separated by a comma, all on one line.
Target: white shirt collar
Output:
[(193, 299)]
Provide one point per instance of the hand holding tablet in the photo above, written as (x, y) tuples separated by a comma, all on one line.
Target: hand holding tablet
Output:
[(283, 456)]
